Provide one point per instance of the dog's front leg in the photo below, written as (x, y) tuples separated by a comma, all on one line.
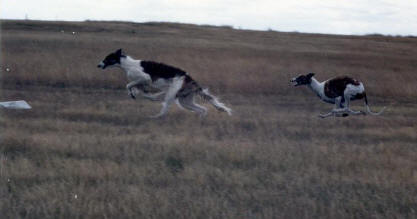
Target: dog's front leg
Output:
[(170, 96), (353, 112), (326, 115), (335, 109), (347, 107), (155, 97), (132, 84)]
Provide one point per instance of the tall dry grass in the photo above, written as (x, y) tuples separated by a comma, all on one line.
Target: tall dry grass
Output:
[(219, 57), (86, 150)]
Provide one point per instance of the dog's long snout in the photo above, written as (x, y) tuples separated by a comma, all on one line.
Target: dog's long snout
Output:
[(101, 65)]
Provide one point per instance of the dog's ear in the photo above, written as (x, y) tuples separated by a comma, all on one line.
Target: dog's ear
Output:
[(119, 52), (310, 75)]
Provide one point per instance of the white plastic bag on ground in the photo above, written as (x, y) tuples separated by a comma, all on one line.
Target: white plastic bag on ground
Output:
[(19, 104)]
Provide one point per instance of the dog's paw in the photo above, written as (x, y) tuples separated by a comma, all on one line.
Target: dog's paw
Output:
[(131, 94)]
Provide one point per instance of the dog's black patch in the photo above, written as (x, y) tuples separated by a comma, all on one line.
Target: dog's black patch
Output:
[(188, 79), (112, 59), (358, 96), (159, 70), (304, 79), (336, 87)]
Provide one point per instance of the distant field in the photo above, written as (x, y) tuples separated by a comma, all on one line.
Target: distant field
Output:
[(86, 150)]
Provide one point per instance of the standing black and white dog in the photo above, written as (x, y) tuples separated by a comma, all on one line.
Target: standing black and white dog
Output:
[(338, 91), (173, 83)]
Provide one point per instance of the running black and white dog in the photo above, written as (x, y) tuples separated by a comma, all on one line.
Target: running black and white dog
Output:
[(338, 91), (172, 83)]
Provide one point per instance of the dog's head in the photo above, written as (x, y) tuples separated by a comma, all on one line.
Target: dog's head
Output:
[(302, 79), (113, 59)]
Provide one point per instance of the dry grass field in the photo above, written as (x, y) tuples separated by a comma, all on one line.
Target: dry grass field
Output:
[(86, 150)]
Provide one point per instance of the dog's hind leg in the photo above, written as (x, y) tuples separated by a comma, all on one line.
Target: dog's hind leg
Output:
[(188, 103), (155, 96), (347, 107), (335, 110), (170, 96), (368, 110), (164, 109), (353, 112), (200, 109), (214, 101), (326, 115)]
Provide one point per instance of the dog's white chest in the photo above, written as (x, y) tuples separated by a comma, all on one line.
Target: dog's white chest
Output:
[(136, 75)]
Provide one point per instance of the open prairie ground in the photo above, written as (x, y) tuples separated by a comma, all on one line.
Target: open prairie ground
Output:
[(87, 150)]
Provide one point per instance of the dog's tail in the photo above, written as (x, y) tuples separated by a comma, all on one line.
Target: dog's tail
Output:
[(204, 93), (368, 110)]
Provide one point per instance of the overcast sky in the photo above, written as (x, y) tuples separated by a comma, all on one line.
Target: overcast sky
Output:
[(391, 17)]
